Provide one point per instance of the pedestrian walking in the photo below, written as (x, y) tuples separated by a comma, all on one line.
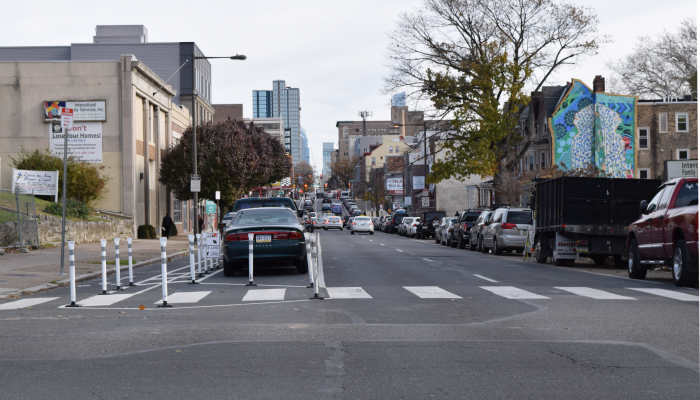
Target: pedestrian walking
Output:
[(201, 222), (167, 223)]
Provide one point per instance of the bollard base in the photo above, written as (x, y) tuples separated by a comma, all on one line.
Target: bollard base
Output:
[(194, 282), (311, 286), (74, 304), (131, 284), (103, 292), (251, 283), (316, 297), (165, 305), (201, 275), (119, 288)]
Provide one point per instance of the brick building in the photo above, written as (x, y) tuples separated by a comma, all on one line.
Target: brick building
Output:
[(666, 130)]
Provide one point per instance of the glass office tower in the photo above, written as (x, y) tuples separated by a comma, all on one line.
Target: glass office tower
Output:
[(282, 102), (304, 146), (262, 103)]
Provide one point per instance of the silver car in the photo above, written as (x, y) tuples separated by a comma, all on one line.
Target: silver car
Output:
[(507, 230), (362, 224)]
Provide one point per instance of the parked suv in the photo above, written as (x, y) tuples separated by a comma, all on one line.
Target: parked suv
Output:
[(462, 228), (392, 224), (429, 221), (507, 230), (475, 239)]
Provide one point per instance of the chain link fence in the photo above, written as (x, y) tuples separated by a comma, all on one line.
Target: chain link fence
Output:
[(19, 226)]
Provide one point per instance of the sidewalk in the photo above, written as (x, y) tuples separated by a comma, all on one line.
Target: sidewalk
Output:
[(39, 269)]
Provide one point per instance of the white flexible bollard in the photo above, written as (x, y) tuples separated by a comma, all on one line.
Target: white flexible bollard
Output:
[(164, 272), (71, 257), (309, 265), (131, 269), (199, 255), (250, 260), (117, 264), (191, 239), (314, 255), (103, 243)]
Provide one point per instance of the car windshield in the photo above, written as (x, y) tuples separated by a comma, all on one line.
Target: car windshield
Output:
[(688, 195), (519, 217), (253, 203), (265, 217)]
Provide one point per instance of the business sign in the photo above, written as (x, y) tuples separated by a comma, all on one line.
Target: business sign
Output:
[(82, 110), (211, 207), (66, 118), (680, 169), (84, 141), (43, 183), (394, 185), (407, 200)]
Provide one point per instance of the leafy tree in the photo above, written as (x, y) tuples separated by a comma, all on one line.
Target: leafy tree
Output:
[(665, 65), (344, 170), (306, 172), (232, 157), (85, 183), (471, 60)]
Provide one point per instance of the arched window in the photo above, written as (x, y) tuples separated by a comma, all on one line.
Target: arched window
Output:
[(397, 149)]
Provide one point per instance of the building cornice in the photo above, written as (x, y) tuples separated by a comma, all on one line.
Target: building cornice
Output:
[(146, 72)]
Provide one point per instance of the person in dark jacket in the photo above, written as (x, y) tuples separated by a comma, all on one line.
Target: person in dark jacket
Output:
[(201, 223), (167, 223)]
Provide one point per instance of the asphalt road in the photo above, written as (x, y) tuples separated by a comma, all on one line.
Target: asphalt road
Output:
[(406, 319)]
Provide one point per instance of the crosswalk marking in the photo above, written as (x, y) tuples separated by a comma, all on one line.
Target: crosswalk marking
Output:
[(510, 292), (671, 294), (185, 297), (347, 293), (25, 303), (431, 292), (105, 300), (595, 293), (264, 294)]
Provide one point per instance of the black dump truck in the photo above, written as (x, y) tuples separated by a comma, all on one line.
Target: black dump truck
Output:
[(586, 217)]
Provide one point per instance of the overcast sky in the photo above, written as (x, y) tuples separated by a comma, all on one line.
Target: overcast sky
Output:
[(332, 51)]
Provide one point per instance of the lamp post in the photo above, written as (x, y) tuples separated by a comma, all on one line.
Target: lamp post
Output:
[(194, 129)]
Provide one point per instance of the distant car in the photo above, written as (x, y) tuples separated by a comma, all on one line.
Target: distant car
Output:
[(475, 239), (333, 223), (392, 224), (507, 230), (441, 229), (337, 209), (356, 212), (362, 224), (327, 199), (309, 205), (403, 226), (319, 222), (446, 238), (278, 239), (413, 228), (226, 220), (325, 207), (429, 221), (462, 228)]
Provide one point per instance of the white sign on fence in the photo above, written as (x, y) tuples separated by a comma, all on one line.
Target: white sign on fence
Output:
[(44, 183), (425, 202), (212, 238), (84, 141), (407, 200)]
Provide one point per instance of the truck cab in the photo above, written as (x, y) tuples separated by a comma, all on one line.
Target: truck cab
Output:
[(666, 232)]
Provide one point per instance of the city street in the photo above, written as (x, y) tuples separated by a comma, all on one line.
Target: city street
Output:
[(401, 318)]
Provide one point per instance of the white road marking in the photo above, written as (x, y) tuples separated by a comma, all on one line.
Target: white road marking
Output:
[(347, 293), (25, 303), (431, 292), (381, 244), (185, 297), (104, 300), (595, 293), (485, 278), (671, 294), (510, 292), (428, 260), (399, 250), (264, 294)]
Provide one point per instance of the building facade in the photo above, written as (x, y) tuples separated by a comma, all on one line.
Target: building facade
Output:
[(328, 150), (282, 102)]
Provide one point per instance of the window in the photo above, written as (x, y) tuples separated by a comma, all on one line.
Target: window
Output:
[(543, 160), (666, 197), (682, 154), (663, 123), (688, 195), (374, 160), (397, 149), (643, 173), (391, 149), (681, 122), (177, 209), (653, 204), (643, 138), (532, 161)]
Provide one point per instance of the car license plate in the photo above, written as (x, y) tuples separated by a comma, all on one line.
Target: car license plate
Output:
[(263, 238)]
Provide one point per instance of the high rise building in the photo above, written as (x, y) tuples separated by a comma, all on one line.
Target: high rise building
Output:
[(285, 105), (304, 146), (328, 149)]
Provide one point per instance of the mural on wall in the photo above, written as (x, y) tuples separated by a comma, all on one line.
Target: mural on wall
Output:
[(596, 128)]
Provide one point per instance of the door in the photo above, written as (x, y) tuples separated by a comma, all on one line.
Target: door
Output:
[(489, 229), (643, 230), (657, 222)]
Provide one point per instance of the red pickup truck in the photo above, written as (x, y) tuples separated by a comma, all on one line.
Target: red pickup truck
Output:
[(666, 233)]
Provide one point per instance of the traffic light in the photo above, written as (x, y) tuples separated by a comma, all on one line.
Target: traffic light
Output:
[(325, 185), (305, 186), (321, 176)]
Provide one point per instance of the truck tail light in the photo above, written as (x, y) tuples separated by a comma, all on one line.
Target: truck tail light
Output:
[(507, 225)]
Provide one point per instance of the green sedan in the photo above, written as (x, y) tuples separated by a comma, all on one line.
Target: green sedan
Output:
[(278, 240)]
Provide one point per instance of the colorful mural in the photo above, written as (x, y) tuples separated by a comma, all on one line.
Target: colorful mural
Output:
[(596, 128)]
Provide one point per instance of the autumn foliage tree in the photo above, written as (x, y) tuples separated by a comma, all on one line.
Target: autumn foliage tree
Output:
[(232, 157), (344, 169)]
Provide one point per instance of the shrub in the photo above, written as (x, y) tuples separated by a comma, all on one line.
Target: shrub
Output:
[(85, 183), (146, 232), (74, 209)]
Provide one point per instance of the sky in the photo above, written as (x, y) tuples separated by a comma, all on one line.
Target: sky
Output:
[(334, 52)]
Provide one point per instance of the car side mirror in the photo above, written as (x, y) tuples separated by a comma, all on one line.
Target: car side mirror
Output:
[(643, 207)]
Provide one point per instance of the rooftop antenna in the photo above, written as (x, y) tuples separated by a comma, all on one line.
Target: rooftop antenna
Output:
[(364, 115)]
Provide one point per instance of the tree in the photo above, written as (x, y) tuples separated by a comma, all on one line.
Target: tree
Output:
[(376, 188), (664, 66), (306, 172), (344, 169), (471, 60), (232, 158)]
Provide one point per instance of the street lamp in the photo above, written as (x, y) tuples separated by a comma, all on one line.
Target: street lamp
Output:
[(194, 129)]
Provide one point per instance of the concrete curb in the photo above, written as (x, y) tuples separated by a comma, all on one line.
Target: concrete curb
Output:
[(85, 277)]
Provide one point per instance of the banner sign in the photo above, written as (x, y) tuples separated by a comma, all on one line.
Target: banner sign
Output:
[(84, 141), (42, 183), (394, 185), (82, 110)]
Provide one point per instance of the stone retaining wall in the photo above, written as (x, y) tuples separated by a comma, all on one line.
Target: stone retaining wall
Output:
[(79, 231)]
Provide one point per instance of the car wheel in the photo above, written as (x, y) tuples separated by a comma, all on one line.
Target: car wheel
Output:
[(229, 268), (419, 236), (461, 243), (681, 260), (482, 246), (371, 232), (540, 259), (472, 244), (325, 229), (352, 232), (496, 250), (453, 242), (302, 266), (633, 269)]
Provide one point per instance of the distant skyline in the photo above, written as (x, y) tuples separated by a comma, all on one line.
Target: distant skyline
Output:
[(333, 51)]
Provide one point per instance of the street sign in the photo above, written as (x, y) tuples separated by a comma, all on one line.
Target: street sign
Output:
[(426, 193), (426, 202), (211, 251), (211, 207), (217, 196), (66, 117), (212, 242), (195, 183)]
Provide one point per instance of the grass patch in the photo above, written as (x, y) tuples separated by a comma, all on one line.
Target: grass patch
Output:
[(7, 200), (53, 282)]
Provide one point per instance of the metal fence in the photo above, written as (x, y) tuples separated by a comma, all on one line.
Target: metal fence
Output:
[(19, 226)]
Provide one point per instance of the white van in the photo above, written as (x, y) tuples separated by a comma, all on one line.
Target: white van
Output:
[(344, 194)]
